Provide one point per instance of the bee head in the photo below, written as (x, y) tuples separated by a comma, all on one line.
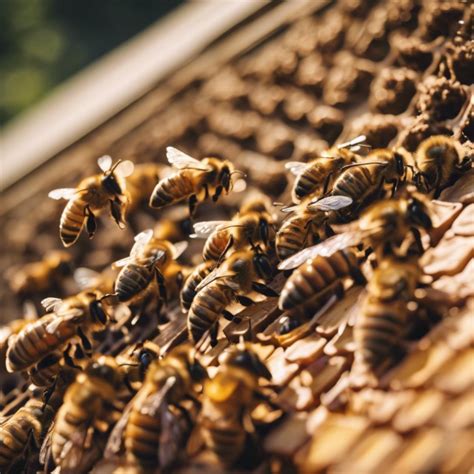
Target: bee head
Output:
[(110, 183), (399, 163), (249, 361), (224, 177), (418, 214)]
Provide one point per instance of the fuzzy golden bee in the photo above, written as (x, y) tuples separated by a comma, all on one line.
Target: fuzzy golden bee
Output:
[(91, 197), (74, 318), (228, 400), (141, 277), (43, 276), (252, 225), (239, 274), (438, 159), (157, 410), (383, 315), (316, 279), (89, 409), (383, 227), (195, 180)]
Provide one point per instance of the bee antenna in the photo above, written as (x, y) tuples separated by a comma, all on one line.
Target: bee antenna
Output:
[(111, 170)]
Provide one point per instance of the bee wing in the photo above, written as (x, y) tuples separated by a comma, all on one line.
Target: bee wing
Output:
[(154, 402), (330, 203), (181, 160), (53, 326), (85, 277), (62, 193), (51, 304), (179, 248), (29, 310), (105, 163), (239, 186), (202, 230), (124, 168), (296, 167), (354, 142), (174, 431), (325, 249), (141, 240), (122, 262)]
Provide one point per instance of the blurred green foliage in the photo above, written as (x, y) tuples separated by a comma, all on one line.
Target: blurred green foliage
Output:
[(43, 42)]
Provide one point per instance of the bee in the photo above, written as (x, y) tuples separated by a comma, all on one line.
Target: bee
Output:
[(158, 410), (89, 409), (317, 277), (316, 177), (140, 184), (91, 197), (142, 274), (188, 291), (42, 276), (228, 400), (384, 312), (195, 180), (365, 181), (44, 373), (384, 227), (239, 274), (308, 224), (73, 318), (175, 225), (252, 225), (29, 423), (438, 159)]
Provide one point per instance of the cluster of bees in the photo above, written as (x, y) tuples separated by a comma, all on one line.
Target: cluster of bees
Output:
[(357, 215)]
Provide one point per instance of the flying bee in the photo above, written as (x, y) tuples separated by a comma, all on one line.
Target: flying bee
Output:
[(438, 159), (252, 225), (383, 315), (89, 409), (91, 197), (316, 279), (42, 276), (142, 274), (238, 275), (189, 291), (308, 224), (195, 180), (159, 409), (317, 176), (73, 318), (384, 227), (228, 400)]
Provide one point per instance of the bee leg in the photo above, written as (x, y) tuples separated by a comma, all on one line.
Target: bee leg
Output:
[(160, 280), (86, 344), (213, 331), (264, 289), (68, 359), (228, 315), (91, 224), (217, 193), (326, 183), (206, 191), (417, 236), (116, 211), (192, 202), (244, 300), (328, 230), (358, 277)]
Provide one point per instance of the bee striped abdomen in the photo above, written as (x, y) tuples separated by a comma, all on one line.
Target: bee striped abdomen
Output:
[(132, 279), (44, 373), (294, 234), (142, 436), (215, 245), (307, 182), (379, 327), (16, 431), (189, 289), (33, 343), (172, 189), (72, 221), (207, 307), (225, 439), (313, 277), (355, 183)]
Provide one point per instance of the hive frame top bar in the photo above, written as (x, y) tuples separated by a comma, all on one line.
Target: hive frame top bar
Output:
[(112, 83)]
